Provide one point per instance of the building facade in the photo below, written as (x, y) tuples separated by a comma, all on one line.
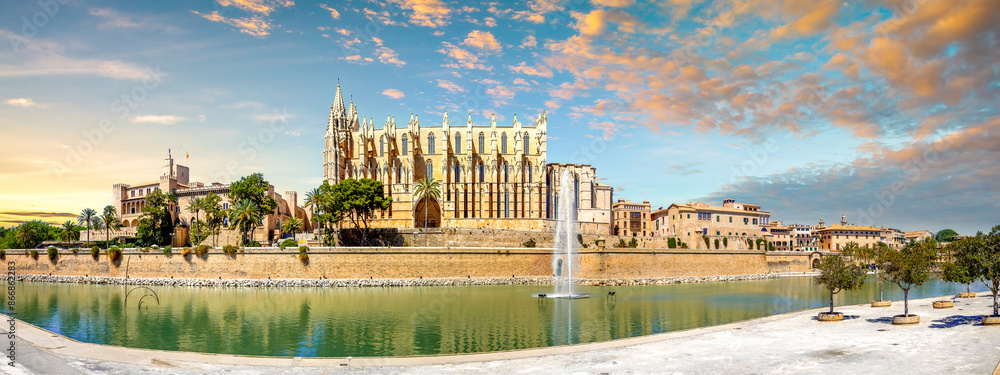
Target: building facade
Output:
[(733, 224), (631, 219), (918, 236), (836, 237), (491, 176), (803, 238), (130, 200)]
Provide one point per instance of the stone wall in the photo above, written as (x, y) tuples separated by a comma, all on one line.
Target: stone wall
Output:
[(364, 263)]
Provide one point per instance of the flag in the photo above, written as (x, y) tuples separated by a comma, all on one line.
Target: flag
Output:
[(186, 154)]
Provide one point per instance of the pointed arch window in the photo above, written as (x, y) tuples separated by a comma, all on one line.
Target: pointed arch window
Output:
[(430, 143), (505, 168), (381, 146), (527, 144), (482, 173), (503, 143), (458, 174), (430, 169), (458, 143), (482, 143), (406, 144)]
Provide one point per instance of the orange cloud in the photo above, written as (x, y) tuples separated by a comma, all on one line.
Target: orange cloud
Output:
[(429, 13), (482, 40)]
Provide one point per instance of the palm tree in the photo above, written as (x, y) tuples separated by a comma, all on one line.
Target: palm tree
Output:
[(86, 217), (109, 220), (423, 190), (196, 206), (70, 232), (851, 249), (314, 200), (292, 225), (245, 216)]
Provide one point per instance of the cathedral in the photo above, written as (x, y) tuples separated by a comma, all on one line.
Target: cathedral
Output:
[(491, 176)]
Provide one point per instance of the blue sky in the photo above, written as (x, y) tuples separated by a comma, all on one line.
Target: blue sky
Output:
[(884, 110)]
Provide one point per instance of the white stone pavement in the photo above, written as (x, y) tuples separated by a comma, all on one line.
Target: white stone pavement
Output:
[(947, 341)]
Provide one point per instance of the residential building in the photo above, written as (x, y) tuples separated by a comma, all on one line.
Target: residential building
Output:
[(918, 236), (835, 237), (733, 223), (631, 219)]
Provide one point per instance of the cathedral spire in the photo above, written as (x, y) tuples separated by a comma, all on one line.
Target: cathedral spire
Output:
[(338, 109)]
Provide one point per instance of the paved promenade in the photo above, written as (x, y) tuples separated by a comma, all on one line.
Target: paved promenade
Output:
[(947, 341)]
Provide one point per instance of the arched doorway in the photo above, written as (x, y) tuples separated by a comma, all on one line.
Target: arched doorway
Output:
[(815, 263), (432, 214)]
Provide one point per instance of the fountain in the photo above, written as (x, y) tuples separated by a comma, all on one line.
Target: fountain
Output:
[(564, 257)]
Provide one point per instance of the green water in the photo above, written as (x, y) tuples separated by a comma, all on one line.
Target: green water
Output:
[(339, 322)]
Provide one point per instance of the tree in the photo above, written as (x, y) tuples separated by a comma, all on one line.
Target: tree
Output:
[(980, 257), (86, 218), (195, 205), (109, 220), (707, 241), (257, 191), (425, 190), (837, 275), (214, 215), (910, 267), (69, 232), (245, 216), (156, 223), (945, 235), (292, 225)]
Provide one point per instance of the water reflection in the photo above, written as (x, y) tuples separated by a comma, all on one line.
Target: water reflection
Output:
[(337, 322)]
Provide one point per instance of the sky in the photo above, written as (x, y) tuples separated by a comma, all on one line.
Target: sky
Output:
[(882, 110)]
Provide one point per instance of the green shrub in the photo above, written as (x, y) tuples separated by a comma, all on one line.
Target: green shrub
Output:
[(185, 251), (717, 244), (253, 244), (167, 250), (290, 242), (406, 243), (304, 257), (53, 252), (34, 254), (672, 243), (303, 249), (529, 243), (621, 243), (201, 250), (95, 252), (230, 250), (114, 254), (633, 243), (156, 246), (725, 242), (75, 250), (144, 250), (579, 238)]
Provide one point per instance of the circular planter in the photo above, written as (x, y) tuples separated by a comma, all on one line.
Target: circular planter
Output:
[(967, 295), (991, 320), (831, 317), (905, 319), (882, 303), (944, 304)]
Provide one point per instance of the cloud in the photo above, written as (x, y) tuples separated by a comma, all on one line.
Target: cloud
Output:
[(463, 58), (157, 119), (23, 103), (333, 12), (522, 68), (276, 115), (489, 22), (482, 40), (264, 7), (393, 93), (817, 16), (344, 32), (429, 13), (529, 42), (254, 26), (387, 56), (450, 86), (356, 59), (112, 19), (500, 95), (613, 3)]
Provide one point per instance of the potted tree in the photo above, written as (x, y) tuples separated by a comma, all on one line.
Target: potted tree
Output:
[(980, 257), (907, 268), (837, 275)]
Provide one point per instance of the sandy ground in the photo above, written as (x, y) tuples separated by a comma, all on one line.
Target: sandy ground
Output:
[(947, 341)]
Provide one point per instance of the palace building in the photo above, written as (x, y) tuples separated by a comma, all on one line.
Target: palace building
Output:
[(491, 176), (733, 223)]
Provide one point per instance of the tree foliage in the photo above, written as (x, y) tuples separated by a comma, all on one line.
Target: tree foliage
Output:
[(245, 216), (837, 275), (945, 235), (909, 266), (255, 189), (156, 223), (359, 201), (979, 257)]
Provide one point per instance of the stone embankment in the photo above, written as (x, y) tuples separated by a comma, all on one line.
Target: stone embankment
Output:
[(338, 283)]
